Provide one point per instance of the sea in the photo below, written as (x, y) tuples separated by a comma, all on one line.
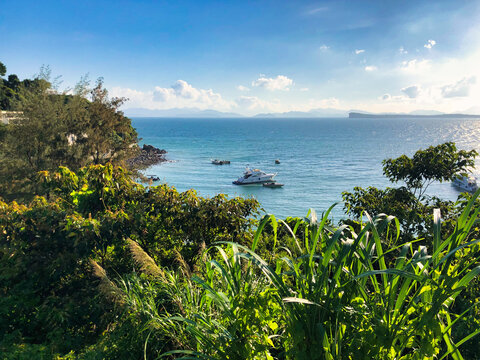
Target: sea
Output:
[(319, 158)]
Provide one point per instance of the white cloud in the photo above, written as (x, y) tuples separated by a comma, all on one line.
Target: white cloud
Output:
[(304, 89), (324, 48), (138, 98), (416, 66), (181, 94), (183, 89), (386, 97), (459, 89), (162, 94), (402, 51), (281, 82), (430, 44), (412, 92), (370, 68), (243, 88), (360, 51)]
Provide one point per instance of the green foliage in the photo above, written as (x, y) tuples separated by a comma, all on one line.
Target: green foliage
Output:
[(437, 163), (47, 289), (106, 135), (162, 220), (340, 298), (414, 216), (227, 314), (11, 88), (55, 129), (56, 254), (408, 203), (3, 69)]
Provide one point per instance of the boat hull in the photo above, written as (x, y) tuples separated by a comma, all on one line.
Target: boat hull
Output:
[(256, 182)]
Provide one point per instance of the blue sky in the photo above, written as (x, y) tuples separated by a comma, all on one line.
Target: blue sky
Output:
[(255, 56)]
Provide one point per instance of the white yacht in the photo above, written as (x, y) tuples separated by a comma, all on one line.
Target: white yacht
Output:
[(254, 176), (466, 183)]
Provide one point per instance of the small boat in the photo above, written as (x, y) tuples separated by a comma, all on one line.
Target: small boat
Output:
[(254, 176), (277, 161), (272, 185), (466, 183), (220, 162)]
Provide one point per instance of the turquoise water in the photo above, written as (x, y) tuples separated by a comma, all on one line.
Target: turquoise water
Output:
[(320, 158)]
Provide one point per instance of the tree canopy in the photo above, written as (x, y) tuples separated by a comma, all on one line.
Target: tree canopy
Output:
[(55, 129), (436, 163), (408, 203)]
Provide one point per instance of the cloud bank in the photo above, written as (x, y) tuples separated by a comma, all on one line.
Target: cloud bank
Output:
[(179, 95)]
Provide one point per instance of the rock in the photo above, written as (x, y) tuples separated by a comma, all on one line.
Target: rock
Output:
[(149, 149), (149, 155)]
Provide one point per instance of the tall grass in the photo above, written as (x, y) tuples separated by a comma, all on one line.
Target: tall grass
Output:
[(336, 294)]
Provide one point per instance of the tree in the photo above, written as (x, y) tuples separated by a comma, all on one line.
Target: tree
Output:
[(437, 163), (3, 69), (60, 129), (409, 203), (13, 82), (33, 141), (108, 134)]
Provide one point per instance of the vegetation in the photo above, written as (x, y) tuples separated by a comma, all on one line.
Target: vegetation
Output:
[(408, 203), (68, 287), (53, 129), (96, 266), (334, 296), (10, 88), (54, 253)]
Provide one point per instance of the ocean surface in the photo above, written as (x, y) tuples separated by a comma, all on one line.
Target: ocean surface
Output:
[(320, 158)]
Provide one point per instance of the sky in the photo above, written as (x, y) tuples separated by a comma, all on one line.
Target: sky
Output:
[(252, 57)]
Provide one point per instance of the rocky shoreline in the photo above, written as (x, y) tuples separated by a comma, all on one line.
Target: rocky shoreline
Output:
[(149, 155)]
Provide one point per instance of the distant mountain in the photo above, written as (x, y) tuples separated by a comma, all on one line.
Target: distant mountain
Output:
[(415, 114), (314, 113), (197, 113), (179, 113)]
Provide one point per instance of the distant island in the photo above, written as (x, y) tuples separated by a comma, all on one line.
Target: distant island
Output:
[(313, 113), (357, 115), (197, 113)]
